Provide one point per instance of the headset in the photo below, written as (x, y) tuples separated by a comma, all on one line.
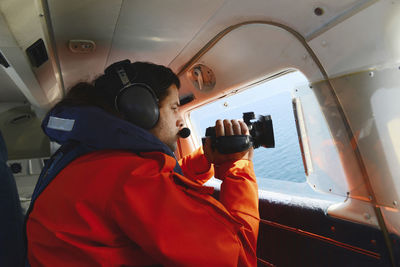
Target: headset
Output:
[(137, 102)]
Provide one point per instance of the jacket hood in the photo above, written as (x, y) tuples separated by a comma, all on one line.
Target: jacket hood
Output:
[(99, 130)]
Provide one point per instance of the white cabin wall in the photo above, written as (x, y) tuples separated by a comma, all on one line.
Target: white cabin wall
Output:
[(364, 41), (249, 54), (370, 102), (299, 15), (272, 49), (362, 57), (20, 27), (250, 58)]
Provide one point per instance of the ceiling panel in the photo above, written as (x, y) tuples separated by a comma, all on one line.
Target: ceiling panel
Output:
[(158, 30), (299, 15), (170, 32), (83, 20)]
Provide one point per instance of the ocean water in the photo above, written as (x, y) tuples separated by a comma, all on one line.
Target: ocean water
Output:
[(283, 162)]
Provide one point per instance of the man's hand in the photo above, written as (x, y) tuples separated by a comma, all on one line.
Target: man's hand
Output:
[(225, 128)]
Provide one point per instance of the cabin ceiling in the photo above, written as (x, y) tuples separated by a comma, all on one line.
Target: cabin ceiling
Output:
[(165, 32), (168, 32)]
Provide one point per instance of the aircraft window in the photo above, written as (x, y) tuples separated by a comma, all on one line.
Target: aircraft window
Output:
[(284, 162)]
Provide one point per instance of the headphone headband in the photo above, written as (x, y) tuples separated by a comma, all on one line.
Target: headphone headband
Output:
[(123, 76)]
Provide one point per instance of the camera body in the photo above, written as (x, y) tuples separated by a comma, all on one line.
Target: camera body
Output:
[(261, 134)]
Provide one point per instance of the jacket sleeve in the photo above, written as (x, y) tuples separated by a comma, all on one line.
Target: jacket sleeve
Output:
[(179, 225), (196, 167), (239, 194)]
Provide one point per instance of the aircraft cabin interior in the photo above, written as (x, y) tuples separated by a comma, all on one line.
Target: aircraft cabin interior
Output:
[(325, 72)]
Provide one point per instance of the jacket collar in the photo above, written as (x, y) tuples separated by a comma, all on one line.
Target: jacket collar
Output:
[(99, 130)]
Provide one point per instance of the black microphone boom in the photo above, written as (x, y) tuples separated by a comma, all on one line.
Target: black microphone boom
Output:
[(183, 133)]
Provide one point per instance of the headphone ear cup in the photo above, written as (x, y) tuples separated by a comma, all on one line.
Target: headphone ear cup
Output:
[(139, 105)]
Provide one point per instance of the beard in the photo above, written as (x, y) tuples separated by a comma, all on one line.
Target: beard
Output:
[(172, 144)]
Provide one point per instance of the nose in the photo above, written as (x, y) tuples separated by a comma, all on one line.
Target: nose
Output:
[(180, 122)]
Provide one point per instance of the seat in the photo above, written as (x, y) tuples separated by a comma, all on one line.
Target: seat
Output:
[(11, 216)]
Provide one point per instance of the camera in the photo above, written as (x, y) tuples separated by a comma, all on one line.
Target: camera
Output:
[(261, 134)]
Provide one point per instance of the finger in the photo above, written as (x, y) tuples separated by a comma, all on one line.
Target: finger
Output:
[(236, 127), (244, 128), (206, 145), (207, 148), (228, 127), (219, 128)]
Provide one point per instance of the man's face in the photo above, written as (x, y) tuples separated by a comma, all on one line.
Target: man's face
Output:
[(170, 121)]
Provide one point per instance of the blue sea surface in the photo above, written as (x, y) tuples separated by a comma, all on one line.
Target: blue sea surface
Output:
[(284, 162)]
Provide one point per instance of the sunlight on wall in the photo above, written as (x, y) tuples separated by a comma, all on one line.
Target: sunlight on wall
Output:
[(394, 133)]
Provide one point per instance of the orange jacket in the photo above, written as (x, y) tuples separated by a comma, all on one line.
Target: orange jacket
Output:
[(116, 208)]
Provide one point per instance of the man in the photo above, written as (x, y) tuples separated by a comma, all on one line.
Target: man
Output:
[(114, 194)]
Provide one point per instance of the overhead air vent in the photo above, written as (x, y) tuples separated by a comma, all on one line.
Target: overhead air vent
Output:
[(21, 118), (82, 46), (37, 53), (202, 77)]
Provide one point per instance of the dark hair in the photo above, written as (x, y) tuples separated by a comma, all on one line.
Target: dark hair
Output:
[(103, 90)]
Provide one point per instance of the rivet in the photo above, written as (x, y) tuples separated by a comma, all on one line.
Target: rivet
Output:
[(371, 74), (318, 11), (367, 216), (333, 229), (370, 197), (225, 104), (305, 57), (323, 43), (330, 189), (395, 203), (373, 242)]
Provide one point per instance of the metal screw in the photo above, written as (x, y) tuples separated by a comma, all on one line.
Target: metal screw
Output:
[(373, 242), (367, 216), (371, 74), (370, 197), (395, 203), (323, 43), (333, 229), (318, 11)]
